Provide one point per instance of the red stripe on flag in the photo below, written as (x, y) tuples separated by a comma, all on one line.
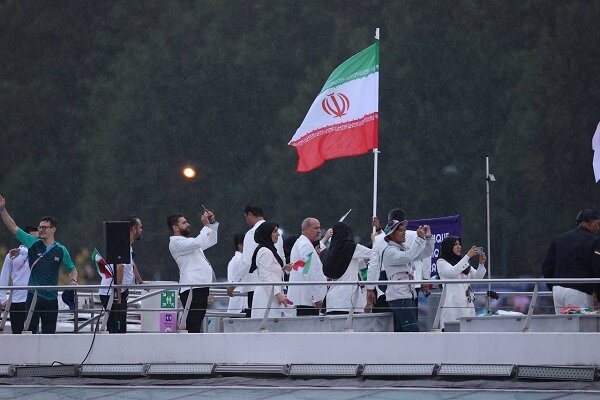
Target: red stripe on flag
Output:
[(352, 138)]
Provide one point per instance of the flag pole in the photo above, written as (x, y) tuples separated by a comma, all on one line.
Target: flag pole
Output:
[(375, 156), (488, 178)]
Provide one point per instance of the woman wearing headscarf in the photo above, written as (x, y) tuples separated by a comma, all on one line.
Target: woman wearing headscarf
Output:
[(270, 270), (450, 265), (345, 258)]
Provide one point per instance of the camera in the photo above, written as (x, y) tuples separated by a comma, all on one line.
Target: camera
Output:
[(479, 251)]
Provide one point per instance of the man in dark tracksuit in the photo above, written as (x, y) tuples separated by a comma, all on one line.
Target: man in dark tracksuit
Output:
[(575, 254)]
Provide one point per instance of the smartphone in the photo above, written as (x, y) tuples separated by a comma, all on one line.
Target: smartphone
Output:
[(212, 220)]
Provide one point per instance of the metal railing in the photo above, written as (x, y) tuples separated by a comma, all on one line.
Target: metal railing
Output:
[(217, 288)]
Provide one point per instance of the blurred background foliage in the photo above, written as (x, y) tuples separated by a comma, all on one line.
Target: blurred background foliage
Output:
[(103, 102)]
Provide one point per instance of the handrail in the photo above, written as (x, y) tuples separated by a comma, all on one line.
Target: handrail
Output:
[(148, 286), (217, 288)]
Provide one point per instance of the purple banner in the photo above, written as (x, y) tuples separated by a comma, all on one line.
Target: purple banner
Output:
[(440, 228)]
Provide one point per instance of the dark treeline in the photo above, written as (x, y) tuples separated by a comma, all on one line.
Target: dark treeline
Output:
[(103, 102)]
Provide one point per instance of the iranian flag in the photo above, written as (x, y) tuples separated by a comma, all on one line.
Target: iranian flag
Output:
[(343, 120), (303, 263), (104, 269)]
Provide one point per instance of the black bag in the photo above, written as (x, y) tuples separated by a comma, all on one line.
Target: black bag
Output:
[(383, 277)]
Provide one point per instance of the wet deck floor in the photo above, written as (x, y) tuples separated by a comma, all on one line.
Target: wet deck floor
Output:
[(271, 393)]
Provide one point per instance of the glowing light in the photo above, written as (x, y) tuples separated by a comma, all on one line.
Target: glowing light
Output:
[(189, 172)]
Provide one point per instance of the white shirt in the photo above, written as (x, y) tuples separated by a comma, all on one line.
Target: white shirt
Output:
[(18, 270), (188, 253), (128, 276), (237, 303), (249, 246), (306, 295)]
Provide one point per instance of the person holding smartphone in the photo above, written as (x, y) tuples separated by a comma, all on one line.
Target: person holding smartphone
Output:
[(398, 260), (451, 265)]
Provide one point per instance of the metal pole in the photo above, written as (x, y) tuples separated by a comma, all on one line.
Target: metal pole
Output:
[(263, 323), (489, 255), (375, 155), (375, 160), (6, 311), (182, 328), (30, 313), (348, 327)]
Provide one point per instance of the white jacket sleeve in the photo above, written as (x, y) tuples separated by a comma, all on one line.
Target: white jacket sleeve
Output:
[(427, 251), (426, 268), (4, 275), (249, 247), (477, 273), (394, 259), (361, 252), (205, 239), (449, 271), (374, 267), (233, 269), (279, 248)]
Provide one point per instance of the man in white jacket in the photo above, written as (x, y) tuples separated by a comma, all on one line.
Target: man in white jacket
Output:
[(237, 304), (307, 299), (194, 267)]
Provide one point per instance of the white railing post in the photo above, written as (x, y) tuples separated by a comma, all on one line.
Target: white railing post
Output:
[(438, 313), (348, 327), (30, 313), (182, 328), (531, 307), (263, 324), (6, 310), (108, 310)]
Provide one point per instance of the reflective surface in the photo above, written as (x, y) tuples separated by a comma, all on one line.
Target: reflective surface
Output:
[(255, 393)]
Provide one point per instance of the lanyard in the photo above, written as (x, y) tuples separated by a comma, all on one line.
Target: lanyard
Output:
[(42, 256)]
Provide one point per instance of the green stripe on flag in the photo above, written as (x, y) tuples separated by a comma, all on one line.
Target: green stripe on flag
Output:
[(307, 265), (358, 66)]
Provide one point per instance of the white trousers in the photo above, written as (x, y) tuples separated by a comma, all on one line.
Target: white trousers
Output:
[(564, 297)]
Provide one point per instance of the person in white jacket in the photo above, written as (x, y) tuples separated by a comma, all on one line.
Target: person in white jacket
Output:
[(16, 269), (307, 299), (345, 258), (398, 259), (450, 265), (237, 304), (269, 267), (194, 267), (376, 300)]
